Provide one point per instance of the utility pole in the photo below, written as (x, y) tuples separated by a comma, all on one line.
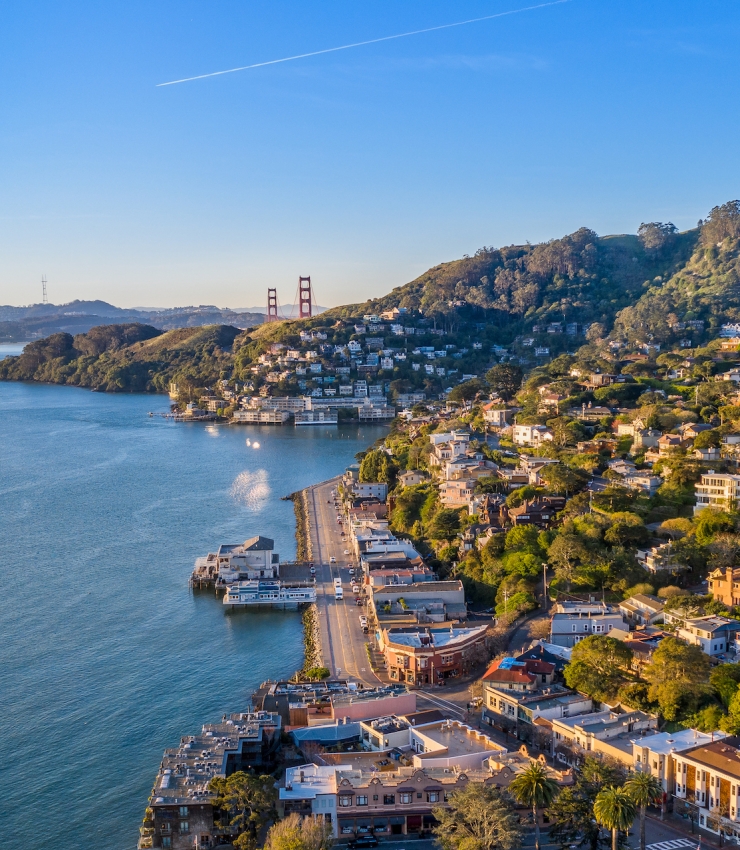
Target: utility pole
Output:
[(544, 585)]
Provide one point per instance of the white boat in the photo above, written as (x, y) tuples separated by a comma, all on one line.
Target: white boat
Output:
[(266, 593)]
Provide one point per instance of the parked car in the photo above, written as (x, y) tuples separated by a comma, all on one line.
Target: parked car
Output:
[(363, 841), (313, 571), (355, 588), (332, 560)]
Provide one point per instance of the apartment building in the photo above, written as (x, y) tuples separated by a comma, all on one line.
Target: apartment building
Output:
[(656, 753), (717, 490), (707, 786), (181, 803)]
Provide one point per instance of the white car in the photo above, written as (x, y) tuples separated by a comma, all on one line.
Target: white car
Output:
[(355, 588), (351, 570), (332, 560), (363, 621)]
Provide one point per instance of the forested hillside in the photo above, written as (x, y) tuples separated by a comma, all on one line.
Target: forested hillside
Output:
[(126, 358), (580, 278)]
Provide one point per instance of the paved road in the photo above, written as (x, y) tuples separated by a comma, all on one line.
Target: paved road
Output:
[(343, 642)]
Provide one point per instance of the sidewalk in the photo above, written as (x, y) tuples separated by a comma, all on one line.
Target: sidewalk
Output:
[(682, 827)]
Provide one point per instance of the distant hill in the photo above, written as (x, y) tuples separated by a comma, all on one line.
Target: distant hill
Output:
[(19, 324), (126, 357)]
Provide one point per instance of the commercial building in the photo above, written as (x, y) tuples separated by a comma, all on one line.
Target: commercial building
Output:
[(422, 602), (608, 733), (521, 690), (422, 656)]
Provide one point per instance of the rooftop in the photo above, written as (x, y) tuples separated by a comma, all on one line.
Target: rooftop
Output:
[(186, 771), (434, 638), (453, 740), (665, 743), (721, 755)]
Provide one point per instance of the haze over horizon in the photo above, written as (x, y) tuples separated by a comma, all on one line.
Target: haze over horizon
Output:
[(361, 168)]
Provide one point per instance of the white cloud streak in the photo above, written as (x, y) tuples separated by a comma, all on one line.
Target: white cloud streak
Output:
[(364, 43)]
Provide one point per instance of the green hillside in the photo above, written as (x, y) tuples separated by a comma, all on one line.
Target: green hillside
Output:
[(126, 358)]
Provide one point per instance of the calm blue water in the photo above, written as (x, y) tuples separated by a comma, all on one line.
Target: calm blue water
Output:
[(106, 657), (11, 349)]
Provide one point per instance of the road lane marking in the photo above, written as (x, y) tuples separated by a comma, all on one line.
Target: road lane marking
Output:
[(672, 845)]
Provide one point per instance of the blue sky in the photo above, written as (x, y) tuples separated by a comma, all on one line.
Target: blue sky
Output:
[(361, 168)]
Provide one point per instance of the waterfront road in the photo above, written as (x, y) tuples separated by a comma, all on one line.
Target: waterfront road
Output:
[(342, 640)]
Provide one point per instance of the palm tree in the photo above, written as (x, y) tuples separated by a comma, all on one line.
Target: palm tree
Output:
[(534, 788), (644, 789), (614, 809)]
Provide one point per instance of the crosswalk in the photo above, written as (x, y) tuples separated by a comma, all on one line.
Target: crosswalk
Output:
[(673, 845)]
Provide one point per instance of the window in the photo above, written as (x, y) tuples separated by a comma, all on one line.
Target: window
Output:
[(405, 798), (433, 797), (166, 841), (389, 799), (165, 828), (375, 798), (446, 659), (183, 811), (345, 800), (184, 827), (573, 627), (361, 800)]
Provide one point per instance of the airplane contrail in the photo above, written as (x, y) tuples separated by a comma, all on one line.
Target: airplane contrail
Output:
[(363, 43)]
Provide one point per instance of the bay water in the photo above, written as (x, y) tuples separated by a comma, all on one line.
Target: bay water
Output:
[(106, 656)]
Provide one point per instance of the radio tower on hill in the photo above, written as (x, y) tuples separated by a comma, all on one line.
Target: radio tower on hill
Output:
[(304, 298), (44, 300)]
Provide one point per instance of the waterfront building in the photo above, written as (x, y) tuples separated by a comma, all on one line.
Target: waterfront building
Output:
[(316, 417), (251, 560), (180, 814), (262, 416)]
